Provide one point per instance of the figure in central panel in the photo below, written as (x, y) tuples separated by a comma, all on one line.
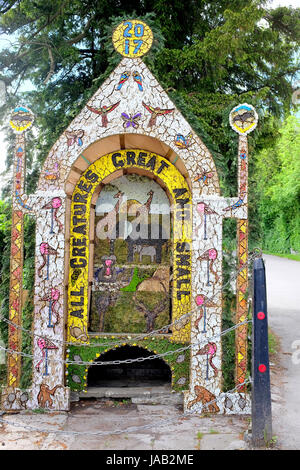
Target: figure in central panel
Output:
[(131, 290)]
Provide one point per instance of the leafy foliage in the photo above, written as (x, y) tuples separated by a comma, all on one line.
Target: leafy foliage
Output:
[(277, 171)]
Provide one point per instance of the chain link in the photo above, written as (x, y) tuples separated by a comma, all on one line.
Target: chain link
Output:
[(140, 359), (255, 254)]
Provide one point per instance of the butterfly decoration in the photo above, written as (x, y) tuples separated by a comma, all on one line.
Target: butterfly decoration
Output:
[(124, 77), (138, 79), (103, 111), (183, 141), (130, 120), (204, 177), (74, 136)]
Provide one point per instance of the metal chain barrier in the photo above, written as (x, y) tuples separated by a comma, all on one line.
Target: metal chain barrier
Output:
[(255, 254), (120, 431), (139, 359)]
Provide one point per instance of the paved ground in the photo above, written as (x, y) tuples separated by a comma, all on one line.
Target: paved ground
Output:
[(283, 295), (179, 433)]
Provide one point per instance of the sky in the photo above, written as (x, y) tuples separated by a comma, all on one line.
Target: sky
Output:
[(3, 43)]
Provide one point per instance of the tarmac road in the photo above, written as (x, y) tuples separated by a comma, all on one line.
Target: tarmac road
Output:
[(283, 297)]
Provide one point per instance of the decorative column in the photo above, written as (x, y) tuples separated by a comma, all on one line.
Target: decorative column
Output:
[(21, 119), (243, 120)]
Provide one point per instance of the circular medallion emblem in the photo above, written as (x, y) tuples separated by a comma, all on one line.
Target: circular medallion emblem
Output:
[(132, 38), (243, 119), (21, 119)]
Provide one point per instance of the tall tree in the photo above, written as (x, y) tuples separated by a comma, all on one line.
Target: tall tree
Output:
[(209, 55)]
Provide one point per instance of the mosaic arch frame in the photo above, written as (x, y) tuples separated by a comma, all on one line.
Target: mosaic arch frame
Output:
[(80, 261), (122, 112)]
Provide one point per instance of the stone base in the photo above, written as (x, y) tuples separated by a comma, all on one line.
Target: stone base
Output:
[(140, 395), (17, 399), (225, 403)]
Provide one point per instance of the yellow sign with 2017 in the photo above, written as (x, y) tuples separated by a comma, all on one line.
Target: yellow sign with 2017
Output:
[(132, 38)]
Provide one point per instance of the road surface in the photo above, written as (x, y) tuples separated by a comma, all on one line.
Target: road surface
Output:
[(283, 297)]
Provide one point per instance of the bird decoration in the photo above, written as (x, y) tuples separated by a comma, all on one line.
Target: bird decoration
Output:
[(124, 77), (210, 349), (104, 111), (243, 119), (44, 344), (138, 80), (22, 116), (203, 303), (130, 120), (234, 206), (46, 250), (52, 298), (247, 117), (155, 112), (210, 256), (182, 141), (74, 136), (204, 210), (21, 119), (54, 205)]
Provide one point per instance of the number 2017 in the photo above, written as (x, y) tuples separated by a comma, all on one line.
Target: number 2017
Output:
[(138, 33)]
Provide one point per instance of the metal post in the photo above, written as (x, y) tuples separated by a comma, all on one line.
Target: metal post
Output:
[(261, 391)]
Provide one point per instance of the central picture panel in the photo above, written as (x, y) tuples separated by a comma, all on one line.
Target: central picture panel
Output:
[(132, 272)]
